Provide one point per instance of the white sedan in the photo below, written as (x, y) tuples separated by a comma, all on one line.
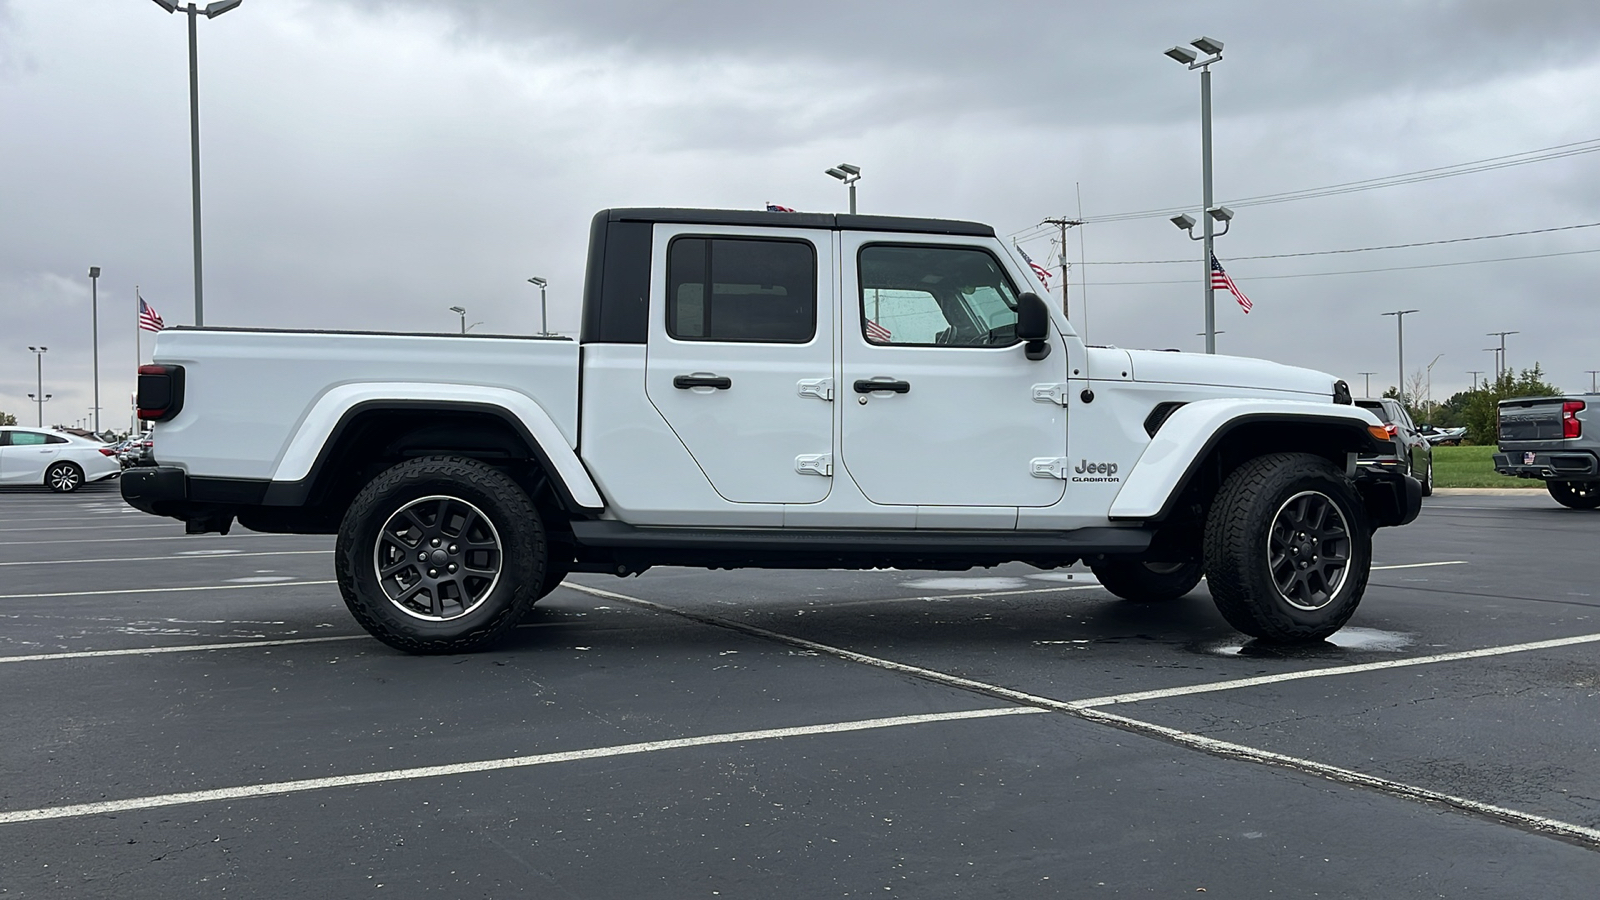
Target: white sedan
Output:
[(63, 462)]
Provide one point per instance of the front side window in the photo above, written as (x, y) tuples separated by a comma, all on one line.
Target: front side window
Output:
[(944, 296), (761, 290)]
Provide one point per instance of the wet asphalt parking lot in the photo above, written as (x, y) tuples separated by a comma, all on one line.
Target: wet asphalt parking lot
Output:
[(199, 716)]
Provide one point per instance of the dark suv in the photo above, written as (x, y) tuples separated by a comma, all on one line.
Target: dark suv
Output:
[(1416, 459)]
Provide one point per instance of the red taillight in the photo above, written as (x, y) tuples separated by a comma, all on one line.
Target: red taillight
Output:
[(1389, 427), (107, 451), (1570, 426), (160, 392)]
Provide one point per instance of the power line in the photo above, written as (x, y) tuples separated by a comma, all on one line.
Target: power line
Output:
[(1558, 151), (1481, 237), (1468, 262)]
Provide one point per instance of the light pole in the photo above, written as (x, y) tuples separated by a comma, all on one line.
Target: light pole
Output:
[(40, 397), (1400, 325), (1474, 373), (542, 285), (94, 293), (849, 174), (1368, 376), (210, 11), (1212, 51), (1186, 222), (461, 311), (1501, 362), (1592, 373)]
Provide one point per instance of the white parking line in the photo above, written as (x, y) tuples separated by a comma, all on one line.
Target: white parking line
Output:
[(166, 537), (94, 526), (185, 648), (164, 590), (1231, 750), (1449, 562), (1086, 709), (121, 559), (279, 788)]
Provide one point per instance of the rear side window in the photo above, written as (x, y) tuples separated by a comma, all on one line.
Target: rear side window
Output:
[(29, 438), (759, 290), (1376, 408)]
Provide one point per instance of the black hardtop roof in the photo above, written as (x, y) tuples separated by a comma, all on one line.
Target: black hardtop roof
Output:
[(829, 221)]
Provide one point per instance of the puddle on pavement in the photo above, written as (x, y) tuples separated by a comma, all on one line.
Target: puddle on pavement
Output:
[(1345, 640), (989, 583)]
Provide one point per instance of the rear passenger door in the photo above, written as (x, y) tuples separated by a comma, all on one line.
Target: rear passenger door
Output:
[(739, 360)]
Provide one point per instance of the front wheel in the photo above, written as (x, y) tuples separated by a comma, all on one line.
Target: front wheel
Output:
[(1150, 582), (1575, 494), (440, 554), (1287, 548), (1427, 485), (64, 477)]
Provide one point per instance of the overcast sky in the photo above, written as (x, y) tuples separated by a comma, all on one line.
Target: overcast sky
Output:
[(369, 163)]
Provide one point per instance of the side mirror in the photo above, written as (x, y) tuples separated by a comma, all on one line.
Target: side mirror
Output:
[(1033, 325)]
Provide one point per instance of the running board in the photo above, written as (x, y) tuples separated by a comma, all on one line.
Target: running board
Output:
[(603, 533)]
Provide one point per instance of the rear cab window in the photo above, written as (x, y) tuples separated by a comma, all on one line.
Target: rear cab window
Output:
[(761, 290)]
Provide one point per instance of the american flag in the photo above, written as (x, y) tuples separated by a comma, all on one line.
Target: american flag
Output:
[(149, 319), (876, 333), (773, 207), (1221, 282), (1041, 271)]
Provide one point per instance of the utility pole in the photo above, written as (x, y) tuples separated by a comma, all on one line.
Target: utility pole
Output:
[(1063, 224), (1501, 362), (1368, 376)]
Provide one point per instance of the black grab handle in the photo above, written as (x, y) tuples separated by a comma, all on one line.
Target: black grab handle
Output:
[(685, 382), (865, 386)]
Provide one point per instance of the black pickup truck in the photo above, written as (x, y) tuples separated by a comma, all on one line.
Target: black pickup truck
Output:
[(1556, 439)]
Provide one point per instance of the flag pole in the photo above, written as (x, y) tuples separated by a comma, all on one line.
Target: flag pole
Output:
[(138, 359)]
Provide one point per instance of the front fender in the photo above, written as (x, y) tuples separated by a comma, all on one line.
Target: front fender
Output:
[(1193, 431), (317, 427)]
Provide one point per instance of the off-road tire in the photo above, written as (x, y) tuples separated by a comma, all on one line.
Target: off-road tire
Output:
[(1575, 494), (1264, 494), (63, 477), (517, 529), (1148, 582)]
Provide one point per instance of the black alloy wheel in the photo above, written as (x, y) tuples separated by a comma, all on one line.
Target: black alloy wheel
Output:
[(1287, 548), (440, 554), (1148, 582)]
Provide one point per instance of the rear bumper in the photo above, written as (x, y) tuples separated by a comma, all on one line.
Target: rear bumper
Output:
[(1391, 497), (1557, 465), (204, 505)]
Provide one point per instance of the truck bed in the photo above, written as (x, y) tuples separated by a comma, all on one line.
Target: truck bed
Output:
[(250, 390)]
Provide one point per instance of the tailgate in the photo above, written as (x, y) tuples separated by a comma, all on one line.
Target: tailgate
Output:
[(1530, 420)]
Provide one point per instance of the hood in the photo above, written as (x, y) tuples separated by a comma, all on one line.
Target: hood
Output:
[(1228, 371)]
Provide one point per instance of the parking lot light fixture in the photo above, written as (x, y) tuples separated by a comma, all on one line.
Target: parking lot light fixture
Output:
[(194, 10), (1500, 361), (94, 317), (1368, 376), (541, 284), (1592, 373), (462, 312), (1210, 52), (1400, 324), (41, 396), (849, 174)]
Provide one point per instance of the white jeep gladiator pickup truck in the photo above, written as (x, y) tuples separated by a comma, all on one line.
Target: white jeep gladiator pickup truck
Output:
[(782, 390)]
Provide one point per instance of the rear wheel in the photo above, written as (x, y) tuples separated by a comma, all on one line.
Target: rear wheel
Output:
[(1575, 494), (1427, 484), (64, 477), (440, 555), (1287, 548), (1148, 581)]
